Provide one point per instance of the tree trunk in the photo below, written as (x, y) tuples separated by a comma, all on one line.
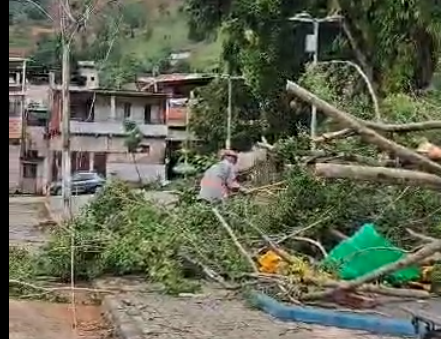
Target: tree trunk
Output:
[(137, 168), (392, 176), (367, 134)]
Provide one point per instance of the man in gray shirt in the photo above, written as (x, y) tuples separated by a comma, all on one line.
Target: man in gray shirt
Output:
[(219, 181)]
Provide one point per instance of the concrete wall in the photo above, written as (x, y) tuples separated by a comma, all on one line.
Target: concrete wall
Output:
[(35, 185), (37, 93), (127, 172), (103, 109), (113, 145), (14, 168), (35, 139)]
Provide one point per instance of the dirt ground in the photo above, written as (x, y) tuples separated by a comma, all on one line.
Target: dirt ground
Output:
[(43, 320)]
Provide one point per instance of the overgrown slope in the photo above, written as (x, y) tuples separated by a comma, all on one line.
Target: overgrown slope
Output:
[(143, 29)]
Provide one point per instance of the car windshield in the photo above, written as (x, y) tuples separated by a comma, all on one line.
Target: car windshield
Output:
[(85, 176)]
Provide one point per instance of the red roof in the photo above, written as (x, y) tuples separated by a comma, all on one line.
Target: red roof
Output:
[(17, 52), (174, 77)]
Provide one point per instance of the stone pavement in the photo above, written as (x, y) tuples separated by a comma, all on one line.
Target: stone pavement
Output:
[(140, 314)]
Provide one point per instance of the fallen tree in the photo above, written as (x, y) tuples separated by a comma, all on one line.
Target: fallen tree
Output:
[(414, 258), (391, 176), (367, 134)]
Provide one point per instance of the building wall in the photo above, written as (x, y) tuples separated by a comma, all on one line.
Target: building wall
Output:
[(115, 146), (127, 171), (34, 185), (103, 109), (35, 139), (14, 168)]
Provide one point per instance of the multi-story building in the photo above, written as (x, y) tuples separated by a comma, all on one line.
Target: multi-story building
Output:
[(177, 87), (17, 100), (97, 139)]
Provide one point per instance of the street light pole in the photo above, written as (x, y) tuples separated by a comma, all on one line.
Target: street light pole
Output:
[(306, 17), (313, 126), (229, 79), (229, 113), (65, 132)]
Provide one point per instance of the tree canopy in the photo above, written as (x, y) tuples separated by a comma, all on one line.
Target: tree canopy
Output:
[(396, 43)]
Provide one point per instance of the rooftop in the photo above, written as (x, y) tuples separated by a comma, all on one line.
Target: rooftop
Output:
[(17, 59), (124, 93), (175, 77)]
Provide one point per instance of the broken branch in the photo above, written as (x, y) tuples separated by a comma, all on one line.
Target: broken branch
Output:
[(235, 240), (407, 261), (378, 174), (367, 134)]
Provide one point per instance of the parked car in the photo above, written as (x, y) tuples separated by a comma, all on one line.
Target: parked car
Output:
[(82, 183)]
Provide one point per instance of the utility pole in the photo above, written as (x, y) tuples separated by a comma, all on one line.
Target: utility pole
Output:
[(312, 46), (313, 127), (229, 112), (65, 131), (49, 157)]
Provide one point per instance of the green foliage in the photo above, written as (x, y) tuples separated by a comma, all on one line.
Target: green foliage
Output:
[(345, 205), (133, 135), (397, 43), (48, 52), (122, 233), (134, 14), (21, 11), (208, 117), (21, 268)]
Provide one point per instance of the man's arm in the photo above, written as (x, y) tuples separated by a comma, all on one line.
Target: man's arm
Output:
[(232, 182)]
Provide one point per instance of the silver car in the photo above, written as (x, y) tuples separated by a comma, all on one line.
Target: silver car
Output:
[(82, 183)]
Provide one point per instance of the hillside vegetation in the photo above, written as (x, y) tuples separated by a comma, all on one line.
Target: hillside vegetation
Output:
[(144, 31)]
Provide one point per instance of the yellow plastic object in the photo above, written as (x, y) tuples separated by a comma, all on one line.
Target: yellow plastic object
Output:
[(270, 263)]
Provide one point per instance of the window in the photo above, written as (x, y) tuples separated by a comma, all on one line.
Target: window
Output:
[(83, 176), (14, 107), (147, 114), (127, 110), (144, 149), (31, 154), (30, 171)]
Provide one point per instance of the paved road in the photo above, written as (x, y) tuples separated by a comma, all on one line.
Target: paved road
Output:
[(25, 215)]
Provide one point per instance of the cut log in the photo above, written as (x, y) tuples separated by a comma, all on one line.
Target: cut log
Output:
[(391, 176), (367, 134), (409, 127), (398, 128)]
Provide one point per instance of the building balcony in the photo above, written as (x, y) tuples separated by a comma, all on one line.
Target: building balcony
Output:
[(115, 129), (177, 112)]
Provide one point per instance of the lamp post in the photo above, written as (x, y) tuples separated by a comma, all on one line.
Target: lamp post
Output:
[(312, 46), (230, 105)]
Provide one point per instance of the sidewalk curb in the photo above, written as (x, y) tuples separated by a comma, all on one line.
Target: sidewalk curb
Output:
[(121, 322)]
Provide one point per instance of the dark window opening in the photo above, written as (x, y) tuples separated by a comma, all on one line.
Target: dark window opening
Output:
[(147, 114), (144, 149), (31, 154), (30, 171), (127, 110)]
